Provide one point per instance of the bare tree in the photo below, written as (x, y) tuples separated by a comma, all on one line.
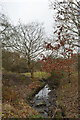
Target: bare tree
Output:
[(28, 41)]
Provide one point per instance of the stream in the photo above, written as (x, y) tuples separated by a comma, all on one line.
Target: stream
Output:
[(44, 100)]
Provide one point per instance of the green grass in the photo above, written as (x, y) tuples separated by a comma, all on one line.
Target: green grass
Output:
[(39, 74)]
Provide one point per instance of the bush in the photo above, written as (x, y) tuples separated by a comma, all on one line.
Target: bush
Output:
[(54, 79)]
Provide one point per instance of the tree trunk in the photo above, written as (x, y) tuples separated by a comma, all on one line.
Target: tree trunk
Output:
[(30, 66), (32, 74)]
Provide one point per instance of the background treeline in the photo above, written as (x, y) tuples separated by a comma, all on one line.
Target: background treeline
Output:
[(12, 61)]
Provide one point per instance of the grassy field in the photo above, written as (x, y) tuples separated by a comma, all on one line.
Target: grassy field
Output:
[(38, 75)]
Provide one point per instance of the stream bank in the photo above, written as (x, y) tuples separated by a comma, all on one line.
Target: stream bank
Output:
[(45, 102), (17, 88), (19, 97)]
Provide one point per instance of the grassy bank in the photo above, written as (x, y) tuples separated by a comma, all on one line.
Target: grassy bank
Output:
[(67, 96), (17, 90)]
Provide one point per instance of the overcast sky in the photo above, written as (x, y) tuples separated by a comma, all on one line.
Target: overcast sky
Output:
[(28, 11)]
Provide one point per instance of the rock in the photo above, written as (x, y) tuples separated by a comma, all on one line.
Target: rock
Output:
[(40, 104)]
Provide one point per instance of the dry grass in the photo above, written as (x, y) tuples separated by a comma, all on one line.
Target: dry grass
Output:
[(15, 93), (68, 96)]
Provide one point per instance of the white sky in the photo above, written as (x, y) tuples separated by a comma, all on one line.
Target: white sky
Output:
[(28, 11)]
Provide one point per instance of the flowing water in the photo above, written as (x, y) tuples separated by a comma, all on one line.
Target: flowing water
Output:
[(43, 100)]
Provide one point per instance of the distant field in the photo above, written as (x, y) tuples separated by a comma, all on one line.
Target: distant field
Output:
[(39, 74)]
